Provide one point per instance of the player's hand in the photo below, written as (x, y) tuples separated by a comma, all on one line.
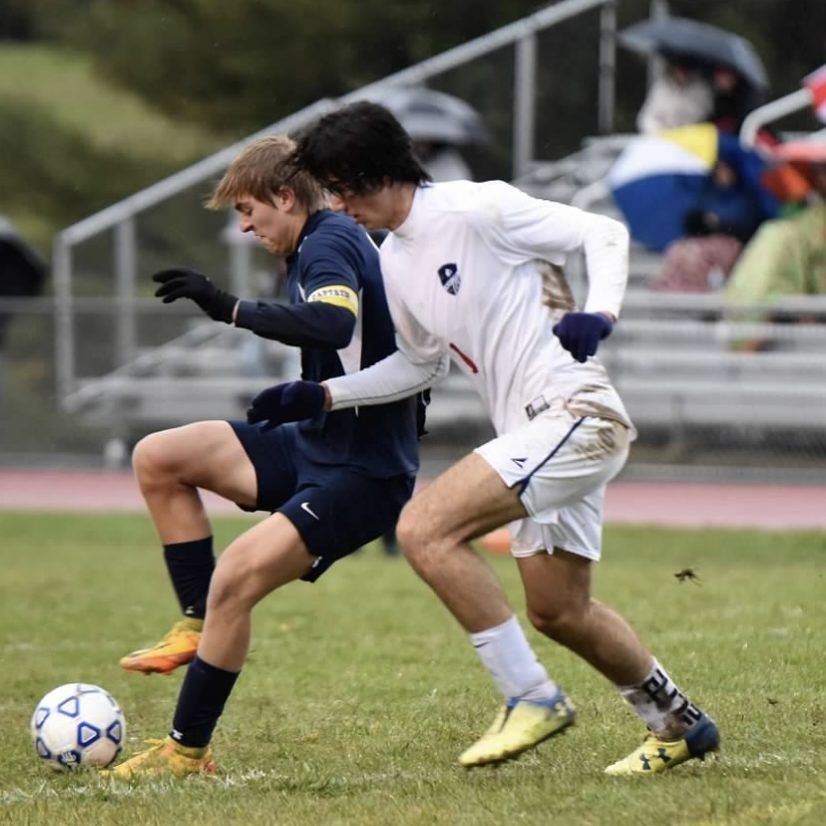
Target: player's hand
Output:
[(581, 333), (288, 402), (181, 282)]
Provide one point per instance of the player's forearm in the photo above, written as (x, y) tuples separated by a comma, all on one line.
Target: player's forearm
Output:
[(394, 377), (313, 324), (606, 257)]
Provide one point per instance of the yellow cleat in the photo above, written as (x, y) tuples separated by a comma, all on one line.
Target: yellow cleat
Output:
[(655, 756), (178, 647), (165, 757), (519, 726)]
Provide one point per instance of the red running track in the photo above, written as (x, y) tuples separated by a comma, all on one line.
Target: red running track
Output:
[(778, 507)]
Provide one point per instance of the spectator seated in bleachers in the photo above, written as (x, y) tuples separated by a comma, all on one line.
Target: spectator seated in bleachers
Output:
[(681, 96), (728, 212), (787, 256), (734, 99)]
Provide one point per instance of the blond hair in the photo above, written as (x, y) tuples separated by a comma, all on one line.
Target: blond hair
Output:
[(262, 170)]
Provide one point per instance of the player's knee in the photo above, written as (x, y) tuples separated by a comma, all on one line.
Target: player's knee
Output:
[(169, 456), (220, 594), (561, 621), (229, 591), (149, 456), (417, 543), (414, 537)]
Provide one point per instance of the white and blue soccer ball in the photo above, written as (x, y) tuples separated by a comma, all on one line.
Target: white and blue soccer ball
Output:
[(78, 724)]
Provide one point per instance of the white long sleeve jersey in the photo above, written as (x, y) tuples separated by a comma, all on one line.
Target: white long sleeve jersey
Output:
[(468, 274)]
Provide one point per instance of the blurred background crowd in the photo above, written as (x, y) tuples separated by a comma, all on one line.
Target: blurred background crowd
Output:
[(727, 210)]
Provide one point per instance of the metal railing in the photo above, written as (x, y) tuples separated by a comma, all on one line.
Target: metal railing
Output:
[(772, 111), (121, 217)]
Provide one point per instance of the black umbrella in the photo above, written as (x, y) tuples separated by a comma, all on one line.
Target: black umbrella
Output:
[(701, 41), (428, 115), (22, 270)]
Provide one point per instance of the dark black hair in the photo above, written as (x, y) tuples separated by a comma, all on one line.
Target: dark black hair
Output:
[(359, 147)]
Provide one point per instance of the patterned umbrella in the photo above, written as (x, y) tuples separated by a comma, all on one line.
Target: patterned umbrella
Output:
[(659, 178)]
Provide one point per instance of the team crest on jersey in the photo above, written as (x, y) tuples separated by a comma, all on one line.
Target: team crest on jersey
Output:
[(450, 278)]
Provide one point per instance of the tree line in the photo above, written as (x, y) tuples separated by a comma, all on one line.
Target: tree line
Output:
[(246, 63)]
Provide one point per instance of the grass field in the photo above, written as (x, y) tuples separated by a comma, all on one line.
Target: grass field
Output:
[(360, 691)]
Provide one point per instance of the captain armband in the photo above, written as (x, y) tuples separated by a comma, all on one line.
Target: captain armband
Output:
[(337, 295)]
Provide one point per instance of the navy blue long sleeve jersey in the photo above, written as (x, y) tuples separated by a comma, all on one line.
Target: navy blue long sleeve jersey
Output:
[(338, 315)]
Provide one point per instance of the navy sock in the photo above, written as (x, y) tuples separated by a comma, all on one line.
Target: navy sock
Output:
[(190, 566), (204, 692)]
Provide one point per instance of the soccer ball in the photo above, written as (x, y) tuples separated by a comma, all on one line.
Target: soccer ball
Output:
[(78, 724)]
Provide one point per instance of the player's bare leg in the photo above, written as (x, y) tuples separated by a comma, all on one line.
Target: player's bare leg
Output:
[(172, 464), (559, 605), (435, 528), (170, 467), (264, 558)]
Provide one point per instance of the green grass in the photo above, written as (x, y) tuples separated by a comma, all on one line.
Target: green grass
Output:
[(360, 691)]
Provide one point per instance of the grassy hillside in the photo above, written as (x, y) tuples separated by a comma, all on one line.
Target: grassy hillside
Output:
[(70, 143)]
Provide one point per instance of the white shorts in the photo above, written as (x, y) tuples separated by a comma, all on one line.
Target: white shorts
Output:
[(560, 463)]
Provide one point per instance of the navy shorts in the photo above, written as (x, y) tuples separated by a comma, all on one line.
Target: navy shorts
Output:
[(335, 508)]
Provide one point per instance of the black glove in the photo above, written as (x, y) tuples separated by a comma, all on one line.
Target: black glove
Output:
[(289, 402), (181, 282), (581, 333)]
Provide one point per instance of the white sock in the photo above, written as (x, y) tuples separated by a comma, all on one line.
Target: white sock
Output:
[(661, 705), (505, 652)]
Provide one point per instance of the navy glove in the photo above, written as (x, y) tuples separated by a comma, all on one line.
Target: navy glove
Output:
[(581, 333), (288, 402), (181, 282)]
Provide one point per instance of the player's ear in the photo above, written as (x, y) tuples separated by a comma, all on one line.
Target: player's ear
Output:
[(285, 198)]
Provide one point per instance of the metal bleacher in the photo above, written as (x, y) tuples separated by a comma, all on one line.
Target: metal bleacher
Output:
[(681, 363)]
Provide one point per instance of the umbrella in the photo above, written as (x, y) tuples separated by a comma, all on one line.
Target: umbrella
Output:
[(433, 116), (701, 41), (22, 270), (659, 178)]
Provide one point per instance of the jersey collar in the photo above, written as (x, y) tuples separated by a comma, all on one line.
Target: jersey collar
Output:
[(416, 218), (309, 225)]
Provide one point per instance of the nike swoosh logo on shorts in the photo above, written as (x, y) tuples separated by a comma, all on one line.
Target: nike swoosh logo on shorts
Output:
[(305, 506)]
